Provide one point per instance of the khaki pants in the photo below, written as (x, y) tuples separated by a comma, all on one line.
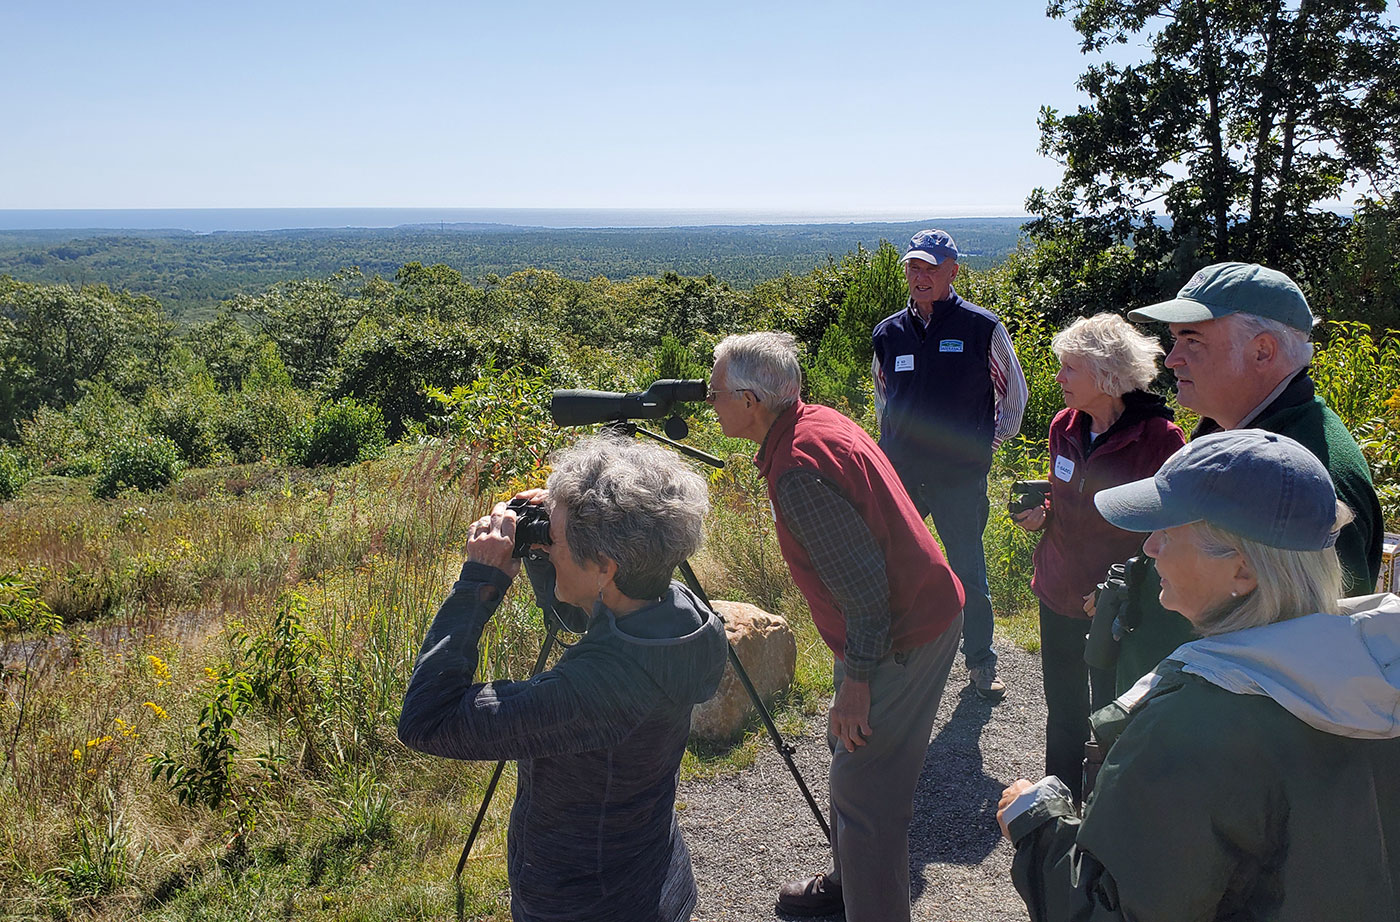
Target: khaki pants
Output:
[(872, 789)]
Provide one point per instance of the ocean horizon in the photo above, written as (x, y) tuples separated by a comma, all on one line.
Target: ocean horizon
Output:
[(216, 220)]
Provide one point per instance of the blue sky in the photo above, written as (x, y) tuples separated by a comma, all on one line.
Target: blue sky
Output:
[(875, 109)]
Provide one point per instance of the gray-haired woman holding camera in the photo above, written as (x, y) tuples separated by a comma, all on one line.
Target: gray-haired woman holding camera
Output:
[(599, 737), (1255, 774)]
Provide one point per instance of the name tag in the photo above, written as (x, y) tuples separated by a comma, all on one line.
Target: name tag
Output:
[(950, 345), (904, 363), (1064, 468)]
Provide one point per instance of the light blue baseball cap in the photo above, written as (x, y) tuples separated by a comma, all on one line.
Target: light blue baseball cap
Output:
[(1259, 485)]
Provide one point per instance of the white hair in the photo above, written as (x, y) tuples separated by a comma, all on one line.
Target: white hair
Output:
[(1118, 357), (1290, 583), (764, 363), (638, 505)]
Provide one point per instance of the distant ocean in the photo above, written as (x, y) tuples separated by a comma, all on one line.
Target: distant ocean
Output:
[(211, 220)]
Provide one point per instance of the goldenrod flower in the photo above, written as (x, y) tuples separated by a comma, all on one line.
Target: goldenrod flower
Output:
[(77, 756), (156, 709), (161, 671)]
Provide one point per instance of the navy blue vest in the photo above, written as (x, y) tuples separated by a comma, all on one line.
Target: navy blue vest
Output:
[(940, 408)]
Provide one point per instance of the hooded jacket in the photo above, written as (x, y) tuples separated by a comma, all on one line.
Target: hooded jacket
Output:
[(1077, 546), (598, 740), (1254, 776)]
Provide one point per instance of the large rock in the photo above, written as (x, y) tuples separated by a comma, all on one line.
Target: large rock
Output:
[(766, 646)]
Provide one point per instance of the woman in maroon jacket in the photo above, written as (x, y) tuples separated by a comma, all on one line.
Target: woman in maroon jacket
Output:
[(1112, 431)]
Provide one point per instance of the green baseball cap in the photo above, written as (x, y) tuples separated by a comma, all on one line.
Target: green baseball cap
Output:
[(1233, 288)]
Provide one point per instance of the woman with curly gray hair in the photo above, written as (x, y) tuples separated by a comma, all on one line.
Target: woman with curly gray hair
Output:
[(599, 737), (1111, 431)]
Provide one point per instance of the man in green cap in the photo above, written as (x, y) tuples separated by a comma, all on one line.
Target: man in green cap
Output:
[(1241, 346)]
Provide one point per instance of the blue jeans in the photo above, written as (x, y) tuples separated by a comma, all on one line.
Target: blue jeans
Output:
[(959, 511)]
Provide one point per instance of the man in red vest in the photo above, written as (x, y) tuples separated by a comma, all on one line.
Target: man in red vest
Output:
[(882, 597)]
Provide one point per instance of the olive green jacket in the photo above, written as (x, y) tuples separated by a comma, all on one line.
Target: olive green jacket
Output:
[(1255, 776)]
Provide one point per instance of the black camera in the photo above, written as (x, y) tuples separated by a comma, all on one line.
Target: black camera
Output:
[(1027, 494), (1114, 613), (531, 526)]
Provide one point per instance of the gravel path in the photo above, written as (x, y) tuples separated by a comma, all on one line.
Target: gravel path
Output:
[(750, 832)]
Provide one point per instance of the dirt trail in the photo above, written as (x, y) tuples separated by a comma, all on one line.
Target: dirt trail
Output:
[(751, 831)]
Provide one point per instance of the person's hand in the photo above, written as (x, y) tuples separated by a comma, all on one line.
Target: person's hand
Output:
[(849, 717), (536, 495), (492, 539), (1013, 790), (1091, 604), (1032, 519)]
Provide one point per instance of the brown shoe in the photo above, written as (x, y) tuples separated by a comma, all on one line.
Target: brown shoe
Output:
[(985, 682), (811, 896)]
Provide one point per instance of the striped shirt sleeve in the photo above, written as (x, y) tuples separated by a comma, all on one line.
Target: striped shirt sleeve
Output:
[(1008, 384)]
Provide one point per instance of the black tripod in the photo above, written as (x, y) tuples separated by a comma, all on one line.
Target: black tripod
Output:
[(553, 621)]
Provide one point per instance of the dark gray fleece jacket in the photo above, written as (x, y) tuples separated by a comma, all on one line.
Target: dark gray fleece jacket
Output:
[(598, 739)]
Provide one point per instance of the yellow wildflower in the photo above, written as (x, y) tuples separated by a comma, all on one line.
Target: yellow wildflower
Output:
[(77, 756), (156, 709), (99, 741), (161, 671)]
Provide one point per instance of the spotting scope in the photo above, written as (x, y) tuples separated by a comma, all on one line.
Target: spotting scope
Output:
[(579, 408)]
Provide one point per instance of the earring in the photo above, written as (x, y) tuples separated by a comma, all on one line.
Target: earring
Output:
[(1234, 595)]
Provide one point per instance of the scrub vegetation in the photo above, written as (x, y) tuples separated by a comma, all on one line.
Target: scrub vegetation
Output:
[(221, 546), (234, 490)]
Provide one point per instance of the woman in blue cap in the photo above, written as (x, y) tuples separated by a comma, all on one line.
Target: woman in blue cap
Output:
[(1255, 774)]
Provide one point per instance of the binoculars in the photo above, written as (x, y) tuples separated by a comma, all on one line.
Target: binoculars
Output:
[(1027, 494), (1114, 612)]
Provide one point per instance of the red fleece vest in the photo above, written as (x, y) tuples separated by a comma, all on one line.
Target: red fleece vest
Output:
[(925, 596)]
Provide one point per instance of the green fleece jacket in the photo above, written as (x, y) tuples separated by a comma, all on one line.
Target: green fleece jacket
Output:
[(1255, 776), (1301, 415)]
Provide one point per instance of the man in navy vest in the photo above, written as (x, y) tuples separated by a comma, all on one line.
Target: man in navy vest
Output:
[(949, 390)]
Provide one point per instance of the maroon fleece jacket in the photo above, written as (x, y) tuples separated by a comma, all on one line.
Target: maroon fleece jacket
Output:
[(1078, 546)]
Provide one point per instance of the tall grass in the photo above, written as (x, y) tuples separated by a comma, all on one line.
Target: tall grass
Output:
[(278, 613)]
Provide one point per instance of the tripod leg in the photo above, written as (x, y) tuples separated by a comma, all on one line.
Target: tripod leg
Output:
[(480, 815), (501, 765), (783, 748)]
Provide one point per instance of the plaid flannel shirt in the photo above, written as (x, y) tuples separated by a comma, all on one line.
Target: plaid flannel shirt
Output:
[(847, 560)]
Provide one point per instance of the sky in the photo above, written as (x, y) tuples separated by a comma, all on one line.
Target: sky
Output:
[(874, 109)]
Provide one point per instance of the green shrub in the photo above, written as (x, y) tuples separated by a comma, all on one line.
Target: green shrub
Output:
[(342, 432), (503, 418), (836, 376), (71, 442), (262, 422), (390, 366), (187, 417), (54, 443), (146, 462), (14, 471)]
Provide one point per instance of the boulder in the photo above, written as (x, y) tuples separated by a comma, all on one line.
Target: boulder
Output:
[(766, 646)]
